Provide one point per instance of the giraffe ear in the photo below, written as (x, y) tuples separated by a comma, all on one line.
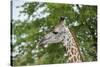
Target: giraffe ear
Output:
[(62, 20)]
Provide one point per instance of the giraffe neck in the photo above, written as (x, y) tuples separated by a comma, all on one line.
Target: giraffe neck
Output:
[(72, 48)]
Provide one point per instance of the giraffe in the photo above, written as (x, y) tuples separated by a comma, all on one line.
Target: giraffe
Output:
[(61, 33)]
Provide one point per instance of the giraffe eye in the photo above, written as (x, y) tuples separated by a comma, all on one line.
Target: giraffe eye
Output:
[(55, 32)]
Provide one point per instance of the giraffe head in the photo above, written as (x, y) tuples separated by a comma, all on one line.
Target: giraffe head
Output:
[(61, 33), (56, 35)]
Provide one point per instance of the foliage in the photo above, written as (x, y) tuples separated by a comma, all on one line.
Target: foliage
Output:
[(26, 34)]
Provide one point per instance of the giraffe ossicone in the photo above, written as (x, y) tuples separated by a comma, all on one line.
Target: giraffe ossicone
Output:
[(61, 33)]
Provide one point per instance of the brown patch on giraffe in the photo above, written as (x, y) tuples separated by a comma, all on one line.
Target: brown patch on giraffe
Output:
[(74, 45), (73, 50), (72, 61), (75, 58), (69, 54), (65, 48)]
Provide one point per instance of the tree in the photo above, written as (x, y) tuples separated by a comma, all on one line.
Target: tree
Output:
[(81, 19)]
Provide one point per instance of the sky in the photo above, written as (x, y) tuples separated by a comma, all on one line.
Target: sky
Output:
[(22, 17), (15, 11), (38, 14)]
